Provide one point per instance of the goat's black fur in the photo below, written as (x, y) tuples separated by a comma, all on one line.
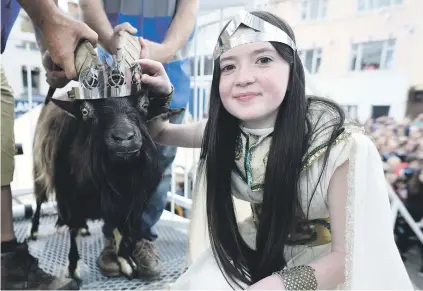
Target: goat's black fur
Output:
[(73, 158)]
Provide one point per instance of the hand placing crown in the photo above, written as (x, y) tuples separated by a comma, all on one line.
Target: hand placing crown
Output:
[(127, 75)]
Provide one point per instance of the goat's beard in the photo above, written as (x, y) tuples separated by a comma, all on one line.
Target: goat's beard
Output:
[(121, 177)]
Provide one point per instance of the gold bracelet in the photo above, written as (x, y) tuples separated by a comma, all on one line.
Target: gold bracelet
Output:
[(298, 278)]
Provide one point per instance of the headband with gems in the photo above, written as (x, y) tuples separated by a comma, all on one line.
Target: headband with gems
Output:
[(108, 81), (264, 32)]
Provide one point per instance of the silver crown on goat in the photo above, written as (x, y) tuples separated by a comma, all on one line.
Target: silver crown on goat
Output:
[(108, 81)]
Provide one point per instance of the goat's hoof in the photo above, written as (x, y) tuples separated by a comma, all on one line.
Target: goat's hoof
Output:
[(125, 267), (75, 273), (84, 231), (33, 235)]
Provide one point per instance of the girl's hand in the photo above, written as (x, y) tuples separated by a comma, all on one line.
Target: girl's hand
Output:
[(155, 77)]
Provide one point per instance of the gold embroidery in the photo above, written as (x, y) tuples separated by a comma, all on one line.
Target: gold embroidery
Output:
[(322, 151), (315, 232), (238, 148), (257, 187)]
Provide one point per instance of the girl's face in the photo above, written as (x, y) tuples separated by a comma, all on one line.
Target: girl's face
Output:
[(253, 82)]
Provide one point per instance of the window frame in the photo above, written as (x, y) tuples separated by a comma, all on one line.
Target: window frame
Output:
[(356, 54), (306, 10), (317, 53)]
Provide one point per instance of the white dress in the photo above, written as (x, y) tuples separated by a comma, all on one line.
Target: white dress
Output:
[(372, 261)]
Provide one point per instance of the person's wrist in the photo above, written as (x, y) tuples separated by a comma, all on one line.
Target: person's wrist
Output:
[(167, 51), (55, 18), (107, 43)]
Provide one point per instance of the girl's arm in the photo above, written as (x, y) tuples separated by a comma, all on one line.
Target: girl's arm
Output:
[(163, 132), (180, 135), (329, 269)]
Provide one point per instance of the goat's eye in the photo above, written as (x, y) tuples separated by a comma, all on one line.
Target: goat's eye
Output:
[(87, 110)]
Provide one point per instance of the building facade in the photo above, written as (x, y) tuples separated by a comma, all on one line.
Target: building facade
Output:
[(23, 64), (365, 54)]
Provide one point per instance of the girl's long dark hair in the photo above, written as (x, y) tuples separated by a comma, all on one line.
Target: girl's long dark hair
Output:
[(280, 210)]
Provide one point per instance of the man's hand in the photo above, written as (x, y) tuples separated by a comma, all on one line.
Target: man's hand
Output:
[(111, 43), (61, 37), (145, 53), (156, 51), (55, 76)]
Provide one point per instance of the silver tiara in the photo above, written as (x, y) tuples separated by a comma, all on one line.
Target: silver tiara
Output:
[(264, 31), (108, 81)]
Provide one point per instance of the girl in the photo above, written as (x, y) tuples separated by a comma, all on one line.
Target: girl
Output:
[(320, 215)]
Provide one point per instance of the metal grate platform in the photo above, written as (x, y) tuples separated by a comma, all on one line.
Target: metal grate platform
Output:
[(52, 246)]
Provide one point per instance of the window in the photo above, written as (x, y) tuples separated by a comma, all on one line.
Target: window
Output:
[(378, 111), (195, 63), (204, 65), (35, 79), (33, 46), (370, 5), (208, 65), (372, 55), (21, 45), (350, 111), (311, 59), (313, 9)]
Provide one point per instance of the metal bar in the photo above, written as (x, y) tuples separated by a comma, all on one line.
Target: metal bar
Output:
[(179, 200), (26, 210), (172, 189), (22, 192), (403, 210)]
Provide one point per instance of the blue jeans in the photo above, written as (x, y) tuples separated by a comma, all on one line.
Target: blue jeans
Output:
[(157, 203)]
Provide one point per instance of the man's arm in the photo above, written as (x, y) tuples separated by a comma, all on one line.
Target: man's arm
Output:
[(38, 33), (181, 27), (39, 38), (60, 33), (95, 17), (38, 9)]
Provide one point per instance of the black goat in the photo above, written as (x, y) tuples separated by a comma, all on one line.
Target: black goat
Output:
[(98, 158)]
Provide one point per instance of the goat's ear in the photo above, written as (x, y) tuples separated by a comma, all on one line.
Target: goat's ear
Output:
[(69, 106)]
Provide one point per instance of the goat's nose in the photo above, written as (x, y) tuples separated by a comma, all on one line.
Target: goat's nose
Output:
[(123, 135)]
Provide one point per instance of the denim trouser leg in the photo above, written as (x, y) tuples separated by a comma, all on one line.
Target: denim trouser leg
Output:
[(156, 206)]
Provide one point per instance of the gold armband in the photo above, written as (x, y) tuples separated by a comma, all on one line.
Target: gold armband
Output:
[(298, 278)]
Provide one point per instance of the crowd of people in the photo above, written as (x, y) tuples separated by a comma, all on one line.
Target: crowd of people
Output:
[(401, 147)]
